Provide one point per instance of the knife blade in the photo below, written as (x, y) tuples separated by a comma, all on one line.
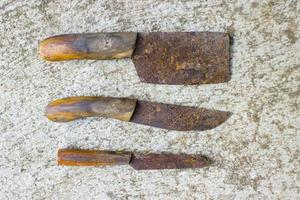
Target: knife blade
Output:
[(151, 161), (166, 116), (159, 57)]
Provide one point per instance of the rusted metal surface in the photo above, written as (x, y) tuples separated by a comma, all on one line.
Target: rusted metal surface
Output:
[(97, 46), (76, 157), (175, 117), (68, 109), (168, 161), (182, 57)]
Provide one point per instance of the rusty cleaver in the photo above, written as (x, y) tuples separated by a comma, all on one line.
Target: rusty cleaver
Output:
[(159, 57), (166, 116), (151, 161)]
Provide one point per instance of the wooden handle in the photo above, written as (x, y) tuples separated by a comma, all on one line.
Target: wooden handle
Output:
[(95, 46), (68, 109), (77, 157)]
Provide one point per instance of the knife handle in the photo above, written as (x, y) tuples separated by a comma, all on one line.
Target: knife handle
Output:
[(95, 46), (77, 157), (71, 108)]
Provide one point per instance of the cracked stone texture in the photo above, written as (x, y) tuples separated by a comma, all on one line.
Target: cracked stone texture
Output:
[(256, 152)]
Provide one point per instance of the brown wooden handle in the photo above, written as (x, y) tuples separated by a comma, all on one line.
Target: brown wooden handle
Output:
[(77, 157), (68, 109), (95, 46)]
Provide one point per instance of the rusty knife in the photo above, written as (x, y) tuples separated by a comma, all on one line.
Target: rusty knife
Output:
[(166, 116), (159, 57), (151, 161)]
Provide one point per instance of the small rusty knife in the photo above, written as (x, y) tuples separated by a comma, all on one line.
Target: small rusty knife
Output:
[(77, 157), (172, 117), (159, 57)]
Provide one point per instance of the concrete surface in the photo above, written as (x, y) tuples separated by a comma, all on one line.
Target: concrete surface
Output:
[(256, 151)]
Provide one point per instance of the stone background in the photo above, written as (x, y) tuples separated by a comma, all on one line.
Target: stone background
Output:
[(256, 151)]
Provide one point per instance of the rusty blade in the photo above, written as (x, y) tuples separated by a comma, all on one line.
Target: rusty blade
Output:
[(175, 117), (182, 57), (168, 161)]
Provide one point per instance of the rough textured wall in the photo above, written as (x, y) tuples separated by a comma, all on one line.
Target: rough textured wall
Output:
[(256, 151)]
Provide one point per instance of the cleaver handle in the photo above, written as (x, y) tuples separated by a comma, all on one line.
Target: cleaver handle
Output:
[(71, 108), (95, 46), (77, 157)]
